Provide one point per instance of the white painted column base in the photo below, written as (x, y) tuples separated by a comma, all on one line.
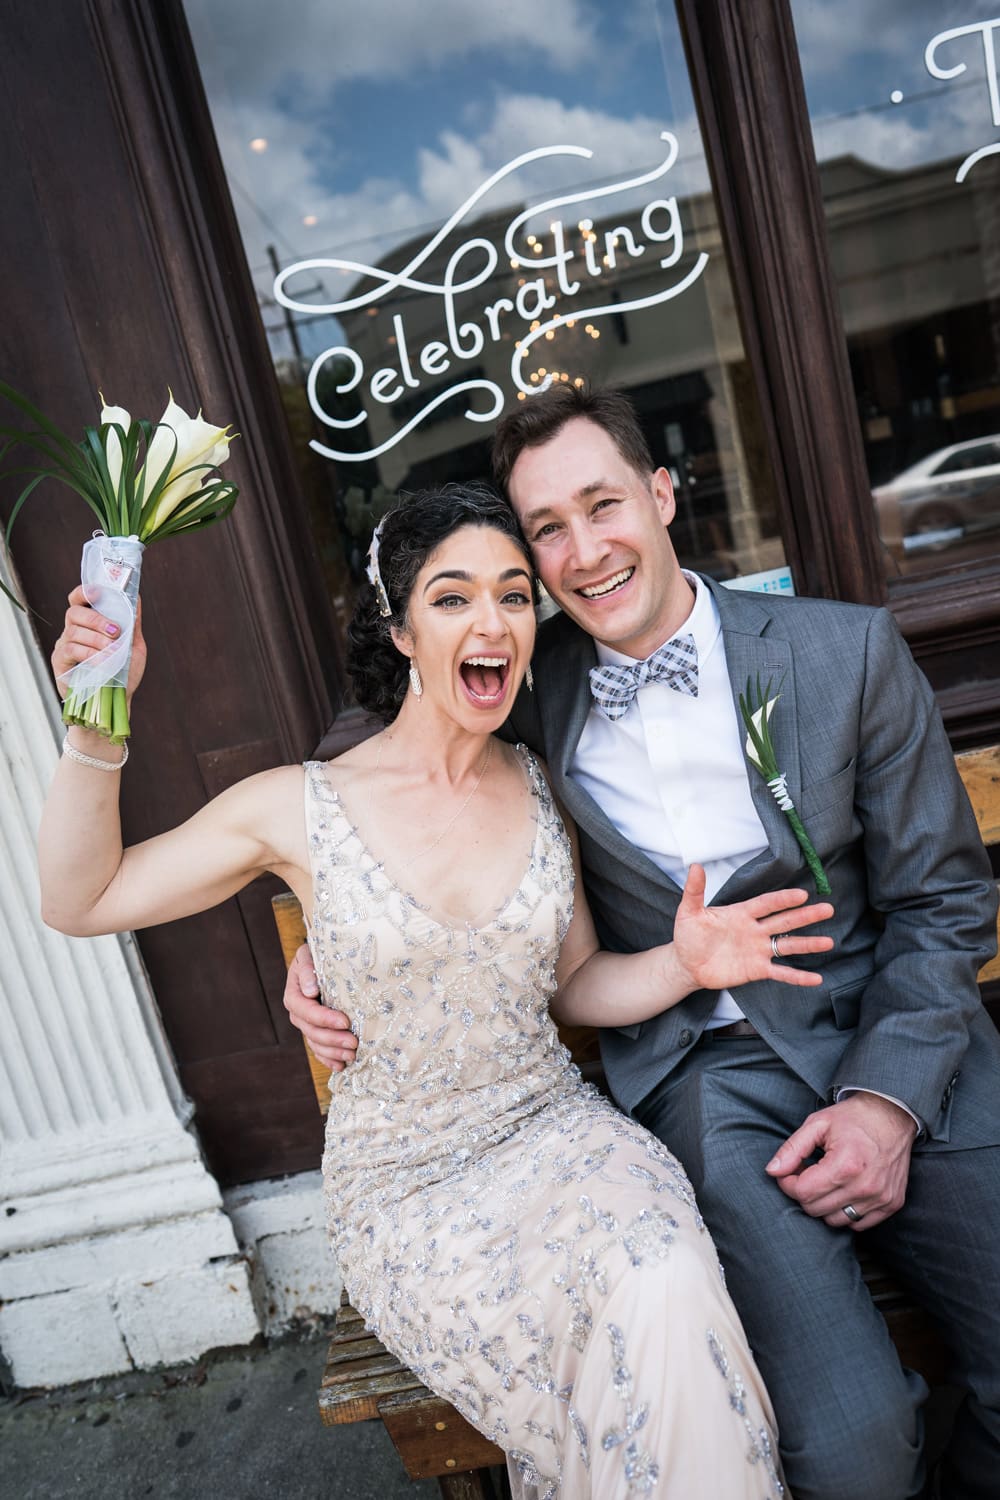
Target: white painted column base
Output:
[(128, 1270), (115, 1252), (281, 1228)]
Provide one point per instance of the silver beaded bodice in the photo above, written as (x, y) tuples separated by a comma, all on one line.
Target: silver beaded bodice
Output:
[(455, 1042)]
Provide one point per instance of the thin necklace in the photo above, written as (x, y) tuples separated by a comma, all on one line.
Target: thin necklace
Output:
[(451, 823)]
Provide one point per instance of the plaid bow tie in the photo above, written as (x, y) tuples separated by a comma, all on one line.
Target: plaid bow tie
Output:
[(675, 663)]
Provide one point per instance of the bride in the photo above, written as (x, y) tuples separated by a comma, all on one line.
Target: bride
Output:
[(534, 1256)]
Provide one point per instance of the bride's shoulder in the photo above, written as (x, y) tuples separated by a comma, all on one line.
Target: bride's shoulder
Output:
[(345, 771)]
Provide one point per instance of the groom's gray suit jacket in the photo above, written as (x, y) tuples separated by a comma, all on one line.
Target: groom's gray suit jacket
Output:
[(870, 769)]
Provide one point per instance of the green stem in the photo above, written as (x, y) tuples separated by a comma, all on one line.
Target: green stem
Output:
[(105, 712), (812, 859), (120, 727)]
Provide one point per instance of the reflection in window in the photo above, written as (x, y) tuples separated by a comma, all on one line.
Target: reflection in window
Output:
[(444, 208), (906, 125)]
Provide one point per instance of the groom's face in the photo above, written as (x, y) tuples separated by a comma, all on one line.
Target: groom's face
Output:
[(598, 536)]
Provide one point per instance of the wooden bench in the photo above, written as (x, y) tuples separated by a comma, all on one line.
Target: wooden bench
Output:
[(363, 1381)]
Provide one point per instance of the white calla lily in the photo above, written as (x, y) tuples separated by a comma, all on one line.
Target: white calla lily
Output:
[(201, 447), (112, 446), (757, 719)]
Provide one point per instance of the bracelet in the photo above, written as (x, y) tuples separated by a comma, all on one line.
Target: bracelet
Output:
[(72, 753)]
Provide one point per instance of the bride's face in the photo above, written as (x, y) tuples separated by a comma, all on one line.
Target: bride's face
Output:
[(471, 626)]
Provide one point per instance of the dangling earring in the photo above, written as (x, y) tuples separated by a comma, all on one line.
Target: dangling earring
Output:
[(529, 678), (415, 683)]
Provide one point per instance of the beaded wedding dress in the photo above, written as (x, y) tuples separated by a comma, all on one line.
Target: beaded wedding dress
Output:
[(534, 1256)]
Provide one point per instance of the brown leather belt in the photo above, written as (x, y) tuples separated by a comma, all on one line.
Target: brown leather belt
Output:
[(723, 1033)]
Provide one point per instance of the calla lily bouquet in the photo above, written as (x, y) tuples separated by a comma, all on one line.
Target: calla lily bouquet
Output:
[(756, 708), (143, 481)]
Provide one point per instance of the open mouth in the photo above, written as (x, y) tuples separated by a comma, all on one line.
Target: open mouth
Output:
[(485, 678), (607, 586)]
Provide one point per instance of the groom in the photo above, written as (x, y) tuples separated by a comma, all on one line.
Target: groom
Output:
[(869, 1104)]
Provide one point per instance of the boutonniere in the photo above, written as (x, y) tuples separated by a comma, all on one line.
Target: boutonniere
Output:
[(756, 708)]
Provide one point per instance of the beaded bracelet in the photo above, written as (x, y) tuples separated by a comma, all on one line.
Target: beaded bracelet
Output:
[(72, 753)]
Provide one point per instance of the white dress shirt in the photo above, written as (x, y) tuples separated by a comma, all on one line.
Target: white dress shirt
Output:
[(671, 773)]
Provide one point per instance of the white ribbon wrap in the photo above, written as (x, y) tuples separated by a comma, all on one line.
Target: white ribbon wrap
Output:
[(109, 572)]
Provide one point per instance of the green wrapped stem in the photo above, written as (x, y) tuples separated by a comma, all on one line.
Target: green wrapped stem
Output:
[(812, 859)]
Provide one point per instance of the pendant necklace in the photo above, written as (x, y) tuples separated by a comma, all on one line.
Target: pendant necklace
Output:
[(451, 822)]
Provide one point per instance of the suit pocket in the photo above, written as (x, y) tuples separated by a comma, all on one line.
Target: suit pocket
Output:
[(820, 795), (845, 1002), (827, 810)]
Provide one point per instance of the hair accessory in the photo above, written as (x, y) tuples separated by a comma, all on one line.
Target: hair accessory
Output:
[(72, 753), (415, 682), (375, 576)]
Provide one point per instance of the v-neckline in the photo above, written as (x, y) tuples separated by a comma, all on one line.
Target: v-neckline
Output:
[(453, 924)]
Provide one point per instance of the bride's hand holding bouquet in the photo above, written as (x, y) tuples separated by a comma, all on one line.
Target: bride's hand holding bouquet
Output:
[(85, 637)]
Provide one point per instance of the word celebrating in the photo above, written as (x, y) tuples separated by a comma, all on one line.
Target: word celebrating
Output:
[(472, 264), (986, 30)]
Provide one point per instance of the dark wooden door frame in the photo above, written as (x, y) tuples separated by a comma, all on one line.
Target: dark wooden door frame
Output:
[(120, 238), (748, 88)]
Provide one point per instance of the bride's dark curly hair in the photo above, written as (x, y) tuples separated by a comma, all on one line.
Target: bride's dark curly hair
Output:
[(411, 531)]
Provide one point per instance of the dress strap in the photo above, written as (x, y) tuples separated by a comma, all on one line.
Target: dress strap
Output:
[(535, 776)]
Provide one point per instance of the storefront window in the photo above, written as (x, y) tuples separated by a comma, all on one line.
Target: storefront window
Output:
[(446, 206), (905, 106)]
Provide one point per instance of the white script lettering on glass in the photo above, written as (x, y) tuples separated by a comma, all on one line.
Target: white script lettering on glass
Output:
[(987, 30), (470, 265)]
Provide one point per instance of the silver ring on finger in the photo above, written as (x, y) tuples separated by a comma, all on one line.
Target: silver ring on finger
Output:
[(775, 938), (852, 1213)]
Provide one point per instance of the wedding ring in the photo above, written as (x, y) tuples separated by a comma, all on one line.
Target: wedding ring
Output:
[(852, 1213), (776, 951)]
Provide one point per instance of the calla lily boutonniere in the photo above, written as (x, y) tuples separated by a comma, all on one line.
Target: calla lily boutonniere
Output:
[(756, 708)]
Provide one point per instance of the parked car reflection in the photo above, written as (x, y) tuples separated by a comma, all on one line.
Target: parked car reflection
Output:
[(951, 494)]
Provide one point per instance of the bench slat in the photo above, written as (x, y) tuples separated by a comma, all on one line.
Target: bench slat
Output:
[(980, 771), (358, 1397), (433, 1439)]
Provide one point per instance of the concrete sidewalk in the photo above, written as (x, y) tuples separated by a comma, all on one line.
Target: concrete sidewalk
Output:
[(238, 1426)]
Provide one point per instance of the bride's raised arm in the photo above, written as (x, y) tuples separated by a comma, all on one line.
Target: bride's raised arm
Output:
[(714, 947), (91, 885)]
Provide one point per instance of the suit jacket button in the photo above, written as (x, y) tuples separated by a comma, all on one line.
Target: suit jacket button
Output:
[(686, 1037)]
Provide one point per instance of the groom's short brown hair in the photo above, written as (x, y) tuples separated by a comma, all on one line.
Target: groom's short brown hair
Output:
[(539, 418)]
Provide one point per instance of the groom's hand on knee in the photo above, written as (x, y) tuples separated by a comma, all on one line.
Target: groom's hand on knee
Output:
[(865, 1143)]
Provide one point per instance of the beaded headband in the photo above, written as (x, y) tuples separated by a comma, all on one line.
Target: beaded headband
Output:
[(374, 575)]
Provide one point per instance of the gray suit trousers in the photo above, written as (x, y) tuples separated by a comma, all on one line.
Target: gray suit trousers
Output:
[(850, 1417)]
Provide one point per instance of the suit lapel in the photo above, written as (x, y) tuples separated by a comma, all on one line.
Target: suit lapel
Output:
[(753, 652)]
